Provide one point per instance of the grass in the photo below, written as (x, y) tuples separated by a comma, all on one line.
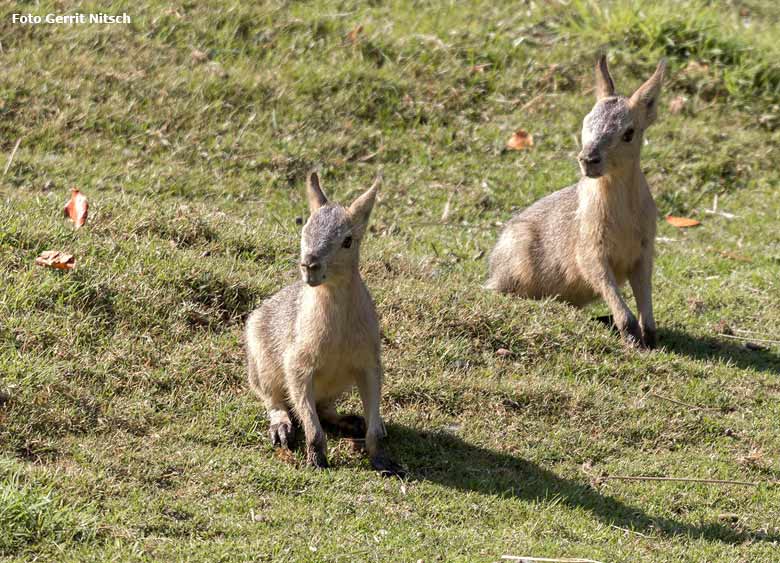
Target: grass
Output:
[(127, 431)]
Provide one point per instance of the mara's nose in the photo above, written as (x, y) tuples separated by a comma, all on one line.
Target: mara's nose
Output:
[(310, 263), (589, 158)]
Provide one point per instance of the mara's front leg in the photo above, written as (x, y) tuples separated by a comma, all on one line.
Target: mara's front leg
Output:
[(599, 274), (641, 279), (299, 376), (369, 384)]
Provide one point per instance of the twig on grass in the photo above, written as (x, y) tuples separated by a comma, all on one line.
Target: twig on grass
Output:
[(676, 402), (533, 101), (714, 210), (522, 558), (749, 339), (631, 531), (11, 158), (687, 480)]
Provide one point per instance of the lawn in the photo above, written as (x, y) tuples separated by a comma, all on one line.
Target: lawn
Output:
[(127, 429)]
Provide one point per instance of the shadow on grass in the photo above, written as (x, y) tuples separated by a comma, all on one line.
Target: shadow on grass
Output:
[(448, 460), (711, 349)]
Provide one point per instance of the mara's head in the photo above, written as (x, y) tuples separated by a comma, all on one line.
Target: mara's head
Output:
[(331, 238), (612, 132)]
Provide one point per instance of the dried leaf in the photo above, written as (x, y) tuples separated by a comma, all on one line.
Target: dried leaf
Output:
[(677, 104), (682, 222), (199, 56), (696, 67), (735, 256), (520, 140), (77, 208), (286, 456), (56, 259), (217, 69), (353, 35), (479, 69), (503, 352)]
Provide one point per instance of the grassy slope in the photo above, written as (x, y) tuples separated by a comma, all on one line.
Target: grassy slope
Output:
[(126, 429)]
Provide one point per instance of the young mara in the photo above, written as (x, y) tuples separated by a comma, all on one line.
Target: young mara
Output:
[(313, 340), (584, 241)]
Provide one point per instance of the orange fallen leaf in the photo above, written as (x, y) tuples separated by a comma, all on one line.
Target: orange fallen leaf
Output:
[(520, 140), (354, 34), (56, 259), (77, 208), (682, 222)]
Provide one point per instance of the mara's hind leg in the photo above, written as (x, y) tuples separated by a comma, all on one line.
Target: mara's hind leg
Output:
[(513, 266), (299, 381), (268, 387), (346, 425)]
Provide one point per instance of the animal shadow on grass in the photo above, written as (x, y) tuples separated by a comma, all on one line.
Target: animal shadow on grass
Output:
[(714, 349), (711, 349), (446, 459)]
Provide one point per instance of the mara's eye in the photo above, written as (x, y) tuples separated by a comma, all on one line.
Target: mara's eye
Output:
[(628, 135), (347, 242)]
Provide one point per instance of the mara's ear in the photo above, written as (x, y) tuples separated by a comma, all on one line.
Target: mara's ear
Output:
[(360, 210), (645, 99), (314, 193), (605, 86)]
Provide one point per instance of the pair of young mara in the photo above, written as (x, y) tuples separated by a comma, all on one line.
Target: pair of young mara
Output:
[(313, 340)]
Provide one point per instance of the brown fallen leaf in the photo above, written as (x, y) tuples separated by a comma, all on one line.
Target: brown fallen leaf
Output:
[(503, 352), (677, 104), (76, 208), (520, 140), (56, 259), (353, 35), (682, 222)]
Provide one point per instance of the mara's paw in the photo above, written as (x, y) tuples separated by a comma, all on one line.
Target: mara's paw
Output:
[(386, 466), (316, 457), (282, 435), (631, 333), (648, 339)]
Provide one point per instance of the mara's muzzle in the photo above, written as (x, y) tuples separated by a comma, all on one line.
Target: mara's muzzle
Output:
[(312, 271), (591, 164)]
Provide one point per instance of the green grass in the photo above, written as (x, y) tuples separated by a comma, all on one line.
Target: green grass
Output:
[(127, 431)]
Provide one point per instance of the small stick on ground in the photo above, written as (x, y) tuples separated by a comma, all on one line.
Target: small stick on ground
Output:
[(631, 531), (522, 558), (676, 402), (11, 158), (762, 340), (688, 480)]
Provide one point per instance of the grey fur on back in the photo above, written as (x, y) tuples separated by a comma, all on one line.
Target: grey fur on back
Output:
[(548, 227), (273, 322)]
